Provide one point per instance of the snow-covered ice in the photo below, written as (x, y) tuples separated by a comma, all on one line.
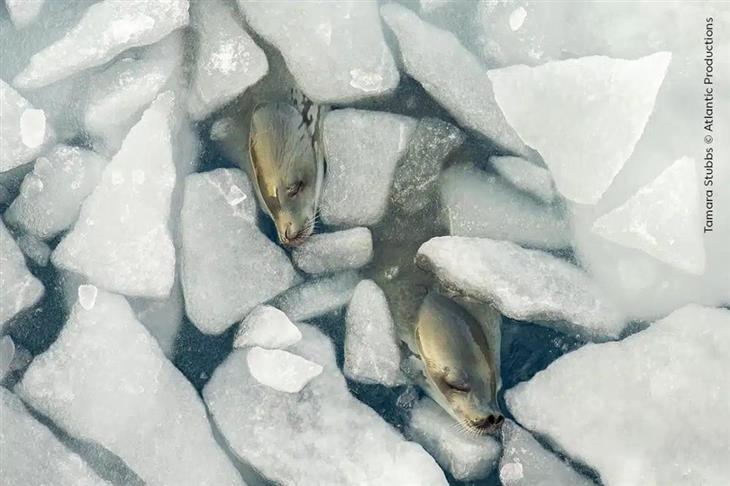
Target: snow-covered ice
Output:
[(663, 219), (23, 12), (119, 94), (121, 241), (335, 51), (527, 285), (228, 265), (451, 74), (281, 370), (330, 252), (267, 327), (525, 462), (466, 457), (417, 173), (650, 409), (24, 131), (30, 453), (372, 354), (228, 61), (321, 435), (318, 296), (362, 150), (613, 98), (19, 289), (51, 196), (477, 203), (34, 249), (106, 380), (95, 40), (526, 176)]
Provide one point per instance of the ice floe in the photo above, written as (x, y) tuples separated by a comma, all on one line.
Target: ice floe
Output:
[(526, 176), (266, 327), (330, 252), (527, 285), (318, 296), (650, 409), (106, 380), (19, 289)]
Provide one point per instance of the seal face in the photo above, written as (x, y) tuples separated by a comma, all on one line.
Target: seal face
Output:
[(287, 173), (458, 364)]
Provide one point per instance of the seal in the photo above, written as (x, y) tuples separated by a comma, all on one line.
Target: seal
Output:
[(286, 169), (458, 362)]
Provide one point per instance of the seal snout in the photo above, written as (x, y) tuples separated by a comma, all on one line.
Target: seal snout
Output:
[(488, 422)]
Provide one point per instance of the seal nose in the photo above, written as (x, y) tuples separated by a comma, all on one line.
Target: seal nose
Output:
[(488, 422)]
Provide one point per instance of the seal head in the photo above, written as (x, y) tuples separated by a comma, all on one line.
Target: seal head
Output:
[(458, 364), (288, 176)]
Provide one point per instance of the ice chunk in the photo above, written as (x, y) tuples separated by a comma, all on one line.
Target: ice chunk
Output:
[(466, 457), (23, 129), (362, 150), (335, 51), (476, 203), (318, 296), (19, 289), (121, 241), (372, 354), (526, 176), (31, 454), (321, 435), (417, 173), (663, 219), (87, 296), (34, 249), (228, 60), (267, 327), (517, 18), (525, 462), (636, 410), (120, 94), (23, 12), (228, 265), (613, 97), (106, 380), (51, 195), (527, 285), (330, 252), (107, 29), (162, 317), (281, 370), (451, 74)]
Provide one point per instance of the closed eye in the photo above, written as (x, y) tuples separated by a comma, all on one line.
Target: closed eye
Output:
[(459, 387), (294, 189)]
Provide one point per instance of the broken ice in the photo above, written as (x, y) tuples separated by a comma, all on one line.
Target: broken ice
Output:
[(267, 327), (526, 176), (281, 370), (19, 289), (331, 252), (318, 296)]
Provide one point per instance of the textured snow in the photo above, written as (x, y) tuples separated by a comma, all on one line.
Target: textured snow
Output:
[(476, 203), (106, 380), (416, 175), (613, 98), (121, 241), (663, 219), (119, 94), (23, 129), (23, 12), (526, 176), (228, 265), (19, 289), (321, 435), (466, 457), (228, 60), (527, 285), (30, 453), (318, 296), (362, 149), (651, 409), (267, 327), (372, 353), (335, 51), (51, 196), (281, 370), (330, 252), (451, 75), (96, 40), (526, 463)]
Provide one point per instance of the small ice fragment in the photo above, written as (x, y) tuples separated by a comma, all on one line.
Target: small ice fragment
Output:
[(33, 127), (23, 12), (318, 296), (267, 327), (235, 195), (330, 252), (87, 296), (281, 370), (517, 18), (366, 81), (220, 129), (510, 472)]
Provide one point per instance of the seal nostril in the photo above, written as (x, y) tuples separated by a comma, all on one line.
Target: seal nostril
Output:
[(500, 419), (490, 420)]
